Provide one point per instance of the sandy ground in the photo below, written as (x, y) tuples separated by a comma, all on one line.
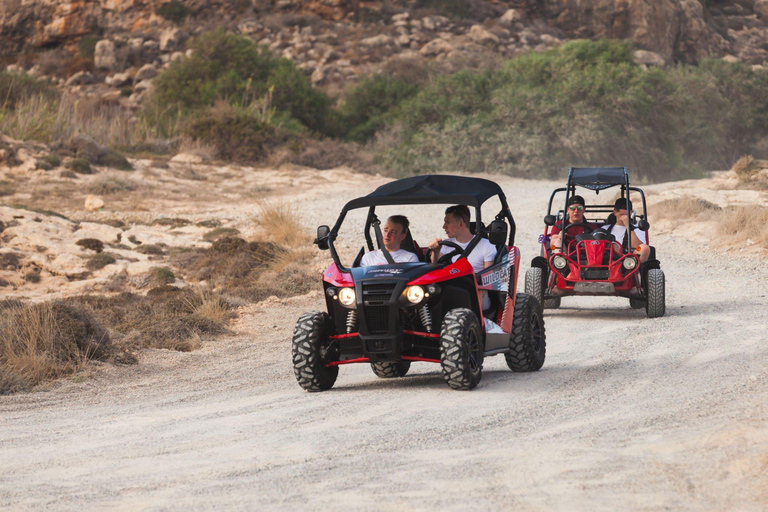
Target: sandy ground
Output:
[(627, 412)]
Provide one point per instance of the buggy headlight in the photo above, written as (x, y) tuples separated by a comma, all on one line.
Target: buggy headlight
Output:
[(414, 294), (559, 262), (347, 297), (629, 262)]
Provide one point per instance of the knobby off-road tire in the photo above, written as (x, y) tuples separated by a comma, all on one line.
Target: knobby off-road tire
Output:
[(390, 369), (655, 306), (636, 303), (528, 343), (309, 339), (534, 285), (461, 349)]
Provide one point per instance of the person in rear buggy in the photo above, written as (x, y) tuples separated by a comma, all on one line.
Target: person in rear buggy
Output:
[(619, 224), (576, 208), (395, 231), (456, 226)]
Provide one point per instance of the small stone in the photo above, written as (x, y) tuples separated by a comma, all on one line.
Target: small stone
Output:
[(146, 72), (144, 85), (436, 47), (376, 41), (80, 78), (119, 80), (104, 54), (647, 58), (511, 17), (172, 39), (481, 36), (93, 203), (187, 158)]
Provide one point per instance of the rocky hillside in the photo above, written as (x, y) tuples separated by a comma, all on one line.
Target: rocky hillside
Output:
[(113, 48)]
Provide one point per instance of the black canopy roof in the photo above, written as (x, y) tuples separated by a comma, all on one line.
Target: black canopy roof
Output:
[(597, 178), (430, 189)]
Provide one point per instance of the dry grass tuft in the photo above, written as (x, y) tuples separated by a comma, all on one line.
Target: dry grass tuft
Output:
[(281, 223), (111, 184), (751, 172), (167, 317), (684, 207), (743, 224), (45, 341)]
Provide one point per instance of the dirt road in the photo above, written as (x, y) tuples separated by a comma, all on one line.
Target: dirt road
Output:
[(627, 413)]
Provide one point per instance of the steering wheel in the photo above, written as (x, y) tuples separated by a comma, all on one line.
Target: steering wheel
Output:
[(587, 227), (445, 258)]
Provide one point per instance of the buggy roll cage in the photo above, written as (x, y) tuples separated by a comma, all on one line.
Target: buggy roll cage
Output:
[(597, 179), (429, 189)]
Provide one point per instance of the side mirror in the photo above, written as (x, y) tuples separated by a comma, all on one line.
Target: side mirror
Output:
[(322, 237), (643, 225), (550, 220), (497, 232)]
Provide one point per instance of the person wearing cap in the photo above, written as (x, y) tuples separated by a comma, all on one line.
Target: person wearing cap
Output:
[(621, 225), (576, 206)]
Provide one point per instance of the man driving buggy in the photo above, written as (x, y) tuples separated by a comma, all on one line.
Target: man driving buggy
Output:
[(395, 231), (576, 207), (456, 226), (619, 224)]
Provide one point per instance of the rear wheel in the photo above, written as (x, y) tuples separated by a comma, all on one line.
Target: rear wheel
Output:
[(461, 349), (390, 369), (636, 303), (309, 350), (528, 343), (655, 305)]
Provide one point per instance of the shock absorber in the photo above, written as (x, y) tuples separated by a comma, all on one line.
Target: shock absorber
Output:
[(351, 320), (426, 318)]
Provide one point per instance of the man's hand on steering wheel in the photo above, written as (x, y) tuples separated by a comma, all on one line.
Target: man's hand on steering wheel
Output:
[(445, 258)]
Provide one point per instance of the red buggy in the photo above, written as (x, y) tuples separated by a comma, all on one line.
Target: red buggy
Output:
[(593, 262), (390, 315)]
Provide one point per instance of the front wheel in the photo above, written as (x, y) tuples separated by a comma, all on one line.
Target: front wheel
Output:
[(534, 285), (390, 369), (461, 349), (528, 343), (655, 305), (309, 350)]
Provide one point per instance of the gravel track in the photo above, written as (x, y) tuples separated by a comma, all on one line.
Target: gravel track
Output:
[(627, 412)]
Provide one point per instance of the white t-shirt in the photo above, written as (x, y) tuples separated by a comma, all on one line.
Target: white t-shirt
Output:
[(377, 258), (482, 253), (618, 231)]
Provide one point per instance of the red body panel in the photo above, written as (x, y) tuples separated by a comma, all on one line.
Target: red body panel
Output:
[(335, 277)]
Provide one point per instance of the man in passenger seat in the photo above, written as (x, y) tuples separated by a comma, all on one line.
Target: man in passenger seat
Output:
[(395, 231), (639, 238)]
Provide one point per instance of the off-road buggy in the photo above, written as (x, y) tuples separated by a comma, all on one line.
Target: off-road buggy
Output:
[(391, 315), (593, 262)]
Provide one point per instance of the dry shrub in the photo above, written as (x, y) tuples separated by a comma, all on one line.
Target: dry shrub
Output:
[(219, 233), (328, 154), (167, 317), (92, 244), (742, 223), (111, 184), (684, 207), (281, 223), (200, 148), (752, 172), (45, 341)]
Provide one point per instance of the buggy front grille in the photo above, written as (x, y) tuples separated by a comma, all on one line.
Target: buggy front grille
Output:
[(377, 294), (377, 319), (595, 274)]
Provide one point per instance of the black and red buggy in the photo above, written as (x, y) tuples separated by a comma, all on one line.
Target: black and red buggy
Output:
[(592, 262), (391, 315)]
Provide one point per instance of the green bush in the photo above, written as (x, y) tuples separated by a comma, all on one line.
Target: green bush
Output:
[(585, 103), (232, 68), (18, 87), (236, 134), (80, 166), (100, 260), (173, 11), (87, 45), (369, 105)]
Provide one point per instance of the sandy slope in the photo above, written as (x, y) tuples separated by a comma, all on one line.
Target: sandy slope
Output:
[(627, 413)]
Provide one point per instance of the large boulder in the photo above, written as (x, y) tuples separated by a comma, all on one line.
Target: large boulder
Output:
[(674, 29), (436, 47), (481, 36)]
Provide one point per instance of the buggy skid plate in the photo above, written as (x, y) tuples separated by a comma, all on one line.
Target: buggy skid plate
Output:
[(592, 287)]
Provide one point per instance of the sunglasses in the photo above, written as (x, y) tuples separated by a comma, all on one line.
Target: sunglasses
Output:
[(575, 207), (452, 209)]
